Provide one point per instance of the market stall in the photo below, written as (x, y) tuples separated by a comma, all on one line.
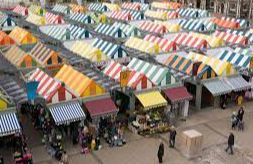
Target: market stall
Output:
[(211, 40), (22, 37), (5, 102), (137, 6), (150, 116), (7, 23), (63, 9), (166, 5), (110, 30), (77, 8), (160, 15), (19, 58), (112, 6), (53, 18), (193, 13), (38, 10), (82, 85), (21, 10), (36, 19), (152, 27), (199, 25), (121, 15), (244, 23), (82, 18), (222, 23), (9, 124), (136, 15), (245, 33), (231, 38), (136, 80), (127, 29), (5, 40), (171, 27), (98, 7)]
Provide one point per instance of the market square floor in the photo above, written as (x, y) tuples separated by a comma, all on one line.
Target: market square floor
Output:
[(214, 124)]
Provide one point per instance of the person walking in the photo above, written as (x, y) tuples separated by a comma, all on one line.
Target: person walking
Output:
[(173, 134), (240, 113), (231, 142), (160, 152)]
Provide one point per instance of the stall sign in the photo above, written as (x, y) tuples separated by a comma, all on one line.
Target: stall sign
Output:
[(124, 76)]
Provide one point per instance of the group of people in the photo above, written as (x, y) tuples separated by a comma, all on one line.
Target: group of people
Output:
[(172, 140), (237, 119)]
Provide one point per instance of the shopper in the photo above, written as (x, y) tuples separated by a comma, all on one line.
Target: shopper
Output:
[(231, 141), (160, 152), (64, 158), (173, 134), (240, 113), (234, 120)]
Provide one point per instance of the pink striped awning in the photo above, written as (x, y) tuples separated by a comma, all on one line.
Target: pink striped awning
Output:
[(49, 88), (153, 27), (170, 14), (163, 43), (131, 6), (136, 80), (121, 15), (54, 19), (21, 10), (231, 38), (190, 41)]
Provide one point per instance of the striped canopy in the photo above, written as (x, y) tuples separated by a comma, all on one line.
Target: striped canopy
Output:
[(53, 18), (242, 22), (190, 41), (238, 60), (36, 19), (245, 33), (221, 68), (112, 6), (152, 27), (166, 5), (197, 25), (113, 51), (142, 45), (6, 23), (65, 113), (193, 13), (185, 65), (171, 27), (163, 43), (77, 8), (9, 124), (162, 15), (22, 36), (21, 10), (226, 23), (5, 39), (158, 75), (38, 10), (135, 6), (231, 38), (127, 29), (98, 7), (82, 18), (211, 40), (121, 15), (243, 51), (110, 30), (136, 15), (136, 80), (61, 9)]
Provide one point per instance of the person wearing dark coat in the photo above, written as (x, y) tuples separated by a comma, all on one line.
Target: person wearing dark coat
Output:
[(240, 114), (173, 134), (231, 142), (160, 152)]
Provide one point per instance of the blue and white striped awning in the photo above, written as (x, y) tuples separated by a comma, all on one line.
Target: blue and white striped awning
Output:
[(9, 124), (61, 9), (82, 18), (110, 30), (65, 113), (112, 50), (247, 34), (236, 59), (136, 15), (192, 13), (97, 7), (243, 51), (127, 29), (197, 25)]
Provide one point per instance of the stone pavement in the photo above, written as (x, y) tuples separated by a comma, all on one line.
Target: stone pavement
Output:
[(214, 124)]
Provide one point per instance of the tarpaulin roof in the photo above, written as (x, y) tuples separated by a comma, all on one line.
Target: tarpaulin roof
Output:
[(112, 6), (98, 7), (224, 85), (65, 113), (243, 22), (134, 6), (36, 19), (110, 30), (127, 29), (112, 50), (163, 43), (142, 45), (211, 40), (236, 59), (157, 74), (68, 32), (44, 55), (169, 26), (226, 23), (185, 65), (221, 68), (82, 18), (21, 36), (152, 27), (17, 56), (61, 9), (190, 41), (5, 39), (231, 38), (49, 88), (199, 25), (193, 13), (81, 84), (9, 124), (88, 51), (151, 99), (177, 94), (101, 107), (21, 10), (53, 18), (136, 80), (77, 8)]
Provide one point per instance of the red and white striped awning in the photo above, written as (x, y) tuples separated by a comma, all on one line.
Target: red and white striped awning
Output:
[(20, 10), (53, 19), (170, 14), (231, 38), (131, 6), (49, 88), (190, 41), (153, 27), (163, 43), (121, 15), (136, 80)]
